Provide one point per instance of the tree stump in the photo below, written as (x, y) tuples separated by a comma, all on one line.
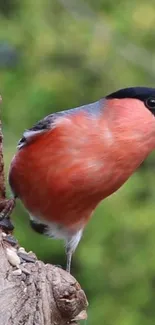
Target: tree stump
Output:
[(34, 293)]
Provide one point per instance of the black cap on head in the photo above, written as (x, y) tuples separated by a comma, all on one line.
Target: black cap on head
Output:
[(146, 95)]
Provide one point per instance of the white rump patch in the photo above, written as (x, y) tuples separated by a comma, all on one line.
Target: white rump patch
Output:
[(56, 231)]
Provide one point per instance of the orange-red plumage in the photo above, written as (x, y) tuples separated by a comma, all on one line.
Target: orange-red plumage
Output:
[(63, 173)]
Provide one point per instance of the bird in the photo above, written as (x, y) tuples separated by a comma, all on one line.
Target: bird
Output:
[(71, 160)]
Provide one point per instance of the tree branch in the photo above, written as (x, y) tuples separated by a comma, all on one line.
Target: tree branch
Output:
[(2, 178)]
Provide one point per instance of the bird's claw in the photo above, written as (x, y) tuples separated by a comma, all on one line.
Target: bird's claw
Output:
[(6, 207), (6, 225)]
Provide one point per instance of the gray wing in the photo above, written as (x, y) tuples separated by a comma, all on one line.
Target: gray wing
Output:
[(48, 122), (40, 127)]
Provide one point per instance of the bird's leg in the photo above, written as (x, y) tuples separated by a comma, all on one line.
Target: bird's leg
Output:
[(71, 244), (69, 259)]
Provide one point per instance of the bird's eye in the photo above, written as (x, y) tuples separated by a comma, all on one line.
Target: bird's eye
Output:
[(150, 102)]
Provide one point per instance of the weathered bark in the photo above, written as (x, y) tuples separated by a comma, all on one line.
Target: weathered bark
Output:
[(2, 178), (41, 295), (34, 293)]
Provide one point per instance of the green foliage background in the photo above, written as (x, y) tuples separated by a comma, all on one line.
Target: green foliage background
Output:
[(60, 54)]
